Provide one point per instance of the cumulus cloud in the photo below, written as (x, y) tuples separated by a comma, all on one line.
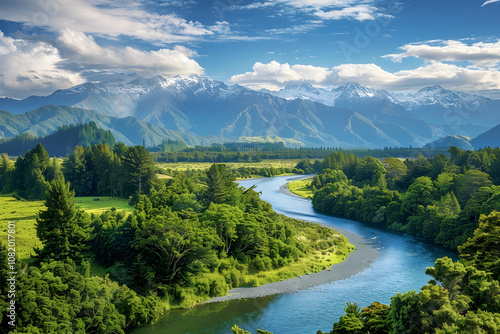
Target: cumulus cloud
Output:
[(359, 13), (103, 18), (275, 76), (480, 54), (36, 67), (31, 68), (86, 53)]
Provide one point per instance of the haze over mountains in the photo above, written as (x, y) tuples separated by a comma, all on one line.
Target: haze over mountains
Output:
[(197, 109)]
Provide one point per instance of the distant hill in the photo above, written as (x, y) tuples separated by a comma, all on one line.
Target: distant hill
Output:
[(129, 130), (461, 142), (61, 142), (490, 138)]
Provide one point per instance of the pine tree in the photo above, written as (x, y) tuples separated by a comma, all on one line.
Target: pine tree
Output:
[(62, 228), (139, 165), (5, 164), (220, 183)]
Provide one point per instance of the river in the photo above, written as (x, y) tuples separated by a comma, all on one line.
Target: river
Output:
[(399, 268)]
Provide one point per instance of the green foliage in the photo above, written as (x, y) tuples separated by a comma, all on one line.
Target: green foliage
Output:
[(197, 237), (220, 184), (62, 228), (60, 142), (483, 249), (138, 164), (56, 298), (237, 330), (404, 316), (435, 198), (462, 297)]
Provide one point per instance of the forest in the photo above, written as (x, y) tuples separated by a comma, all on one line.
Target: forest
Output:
[(190, 238), (440, 198)]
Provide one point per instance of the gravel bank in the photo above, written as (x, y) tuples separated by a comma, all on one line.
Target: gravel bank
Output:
[(357, 261)]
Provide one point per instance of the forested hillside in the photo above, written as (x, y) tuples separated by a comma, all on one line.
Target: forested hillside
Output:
[(60, 142)]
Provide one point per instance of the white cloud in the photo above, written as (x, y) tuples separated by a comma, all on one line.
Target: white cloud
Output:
[(489, 2), (275, 76), (359, 13), (103, 18), (359, 10), (83, 50), (480, 54), (31, 68)]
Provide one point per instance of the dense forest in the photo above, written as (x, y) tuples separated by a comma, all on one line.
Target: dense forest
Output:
[(190, 238), (61, 142), (244, 152), (440, 198)]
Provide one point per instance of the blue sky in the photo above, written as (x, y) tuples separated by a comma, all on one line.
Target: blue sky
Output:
[(396, 45)]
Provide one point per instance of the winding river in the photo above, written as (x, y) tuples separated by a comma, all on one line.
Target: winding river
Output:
[(399, 268)]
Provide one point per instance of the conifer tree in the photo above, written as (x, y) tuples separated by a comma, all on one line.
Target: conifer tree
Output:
[(62, 228)]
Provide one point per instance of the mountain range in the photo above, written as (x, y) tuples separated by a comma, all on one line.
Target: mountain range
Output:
[(201, 110)]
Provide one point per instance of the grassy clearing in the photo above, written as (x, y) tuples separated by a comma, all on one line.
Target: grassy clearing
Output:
[(276, 163), (301, 188), (104, 204), (24, 213), (315, 262)]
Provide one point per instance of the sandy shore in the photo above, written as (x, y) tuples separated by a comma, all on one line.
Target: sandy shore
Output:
[(356, 262)]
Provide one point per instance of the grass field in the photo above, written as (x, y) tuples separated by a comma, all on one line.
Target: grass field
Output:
[(277, 163), (24, 213), (104, 204), (301, 187)]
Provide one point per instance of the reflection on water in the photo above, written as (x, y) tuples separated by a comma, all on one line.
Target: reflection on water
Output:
[(210, 318), (400, 267)]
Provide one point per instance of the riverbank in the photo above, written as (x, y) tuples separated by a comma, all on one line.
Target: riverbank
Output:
[(357, 261)]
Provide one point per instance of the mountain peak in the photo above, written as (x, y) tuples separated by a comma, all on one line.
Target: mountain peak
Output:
[(354, 89), (303, 87)]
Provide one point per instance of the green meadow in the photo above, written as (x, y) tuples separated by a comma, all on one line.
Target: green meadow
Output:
[(275, 163), (301, 188), (24, 213)]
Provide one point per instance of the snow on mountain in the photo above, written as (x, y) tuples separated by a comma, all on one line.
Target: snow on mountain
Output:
[(350, 116), (437, 95)]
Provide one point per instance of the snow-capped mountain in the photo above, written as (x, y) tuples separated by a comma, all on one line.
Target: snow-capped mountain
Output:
[(349, 116), (437, 95), (472, 113)]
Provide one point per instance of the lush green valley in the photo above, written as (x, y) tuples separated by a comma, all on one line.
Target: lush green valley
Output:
[(190, 238), (449, 200)]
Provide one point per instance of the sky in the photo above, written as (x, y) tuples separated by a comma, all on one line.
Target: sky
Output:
[(47, 45)]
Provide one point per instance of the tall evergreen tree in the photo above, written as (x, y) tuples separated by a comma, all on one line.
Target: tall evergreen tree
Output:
[(5, 164), (220, 183), (62, 228), (139, 164)]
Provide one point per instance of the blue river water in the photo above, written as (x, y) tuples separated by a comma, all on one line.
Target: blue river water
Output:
[(399, 268)]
